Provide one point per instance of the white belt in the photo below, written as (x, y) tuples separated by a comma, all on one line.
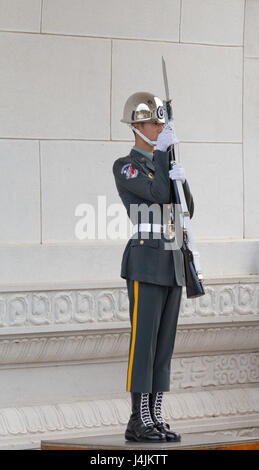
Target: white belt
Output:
[(149, 227)]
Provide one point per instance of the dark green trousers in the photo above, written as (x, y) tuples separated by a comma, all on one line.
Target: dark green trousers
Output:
[(154, 311)]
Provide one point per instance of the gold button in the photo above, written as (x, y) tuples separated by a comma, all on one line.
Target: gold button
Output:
[(141, 242)]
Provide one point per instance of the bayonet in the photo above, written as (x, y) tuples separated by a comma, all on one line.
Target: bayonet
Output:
[(167, 101)]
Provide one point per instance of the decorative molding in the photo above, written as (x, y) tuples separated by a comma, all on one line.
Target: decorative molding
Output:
[(54, 348), (211, 403), (114, 344), (223, 300), (214, 371), (34, 423), (99, 345), (214, 368), (82, 307), (30, 309), (212, 338)]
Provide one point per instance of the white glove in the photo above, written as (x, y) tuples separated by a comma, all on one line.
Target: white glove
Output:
[(177, 173), (166, 138)]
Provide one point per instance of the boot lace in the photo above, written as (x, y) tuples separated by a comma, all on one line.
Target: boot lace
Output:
[(158, 407), (144, 410)]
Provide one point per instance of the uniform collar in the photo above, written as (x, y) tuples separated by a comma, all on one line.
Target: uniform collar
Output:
[(135, 154), (144, 152)]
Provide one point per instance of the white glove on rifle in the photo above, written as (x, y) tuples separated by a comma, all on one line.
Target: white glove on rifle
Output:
[(166, 137), (177, 173)]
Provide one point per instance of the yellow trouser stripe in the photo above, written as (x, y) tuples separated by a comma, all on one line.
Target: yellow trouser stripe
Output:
[(134, 327)]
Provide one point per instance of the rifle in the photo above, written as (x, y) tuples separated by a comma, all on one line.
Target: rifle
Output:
[(193, 275)]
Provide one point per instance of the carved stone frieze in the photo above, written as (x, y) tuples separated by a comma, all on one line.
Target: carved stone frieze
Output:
[(92, 306), (64, 348), (34, 423), (63, 307), (187, 372), (97, 345), (213, 371), (223, 300), (215, 365), (215, 337)]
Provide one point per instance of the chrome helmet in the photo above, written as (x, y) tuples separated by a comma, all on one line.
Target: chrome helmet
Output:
[(142, 107)]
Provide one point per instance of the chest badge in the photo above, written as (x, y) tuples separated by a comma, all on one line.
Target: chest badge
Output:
[(151, 175)]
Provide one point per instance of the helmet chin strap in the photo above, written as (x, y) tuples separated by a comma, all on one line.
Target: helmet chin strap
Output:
[(150, 142)]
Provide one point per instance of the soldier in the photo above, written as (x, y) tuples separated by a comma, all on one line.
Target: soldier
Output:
[(154, 274)]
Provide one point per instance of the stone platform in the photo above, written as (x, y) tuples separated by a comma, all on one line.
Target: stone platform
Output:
[(118, 442)]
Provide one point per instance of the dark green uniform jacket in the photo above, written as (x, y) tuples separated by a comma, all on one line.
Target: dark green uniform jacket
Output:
[(142, 181)]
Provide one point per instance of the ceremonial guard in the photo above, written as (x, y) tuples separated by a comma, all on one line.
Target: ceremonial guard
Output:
[(152, 267)]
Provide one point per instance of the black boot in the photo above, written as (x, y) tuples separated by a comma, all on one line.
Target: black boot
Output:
[(155, 405), (140, 426)]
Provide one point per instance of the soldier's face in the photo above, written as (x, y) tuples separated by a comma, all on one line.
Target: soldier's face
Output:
[(151, 129)]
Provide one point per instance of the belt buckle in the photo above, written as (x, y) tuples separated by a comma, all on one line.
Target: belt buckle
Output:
[(170, 230)]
